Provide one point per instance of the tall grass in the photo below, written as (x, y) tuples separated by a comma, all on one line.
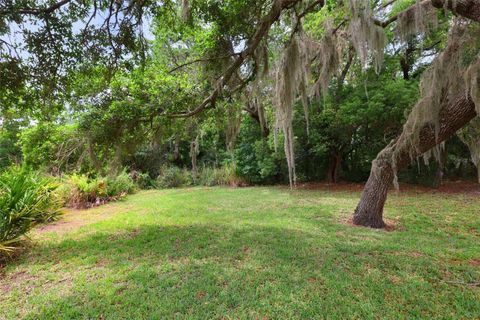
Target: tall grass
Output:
[(174, 177), (26, 199), (220, 176)]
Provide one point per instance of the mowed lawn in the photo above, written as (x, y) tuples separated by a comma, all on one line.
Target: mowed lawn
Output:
[(251, 253)]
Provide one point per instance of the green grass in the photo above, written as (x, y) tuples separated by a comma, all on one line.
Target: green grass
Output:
[(252, 253)]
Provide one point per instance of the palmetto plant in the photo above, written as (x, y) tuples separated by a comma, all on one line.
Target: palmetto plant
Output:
[(26, 199)]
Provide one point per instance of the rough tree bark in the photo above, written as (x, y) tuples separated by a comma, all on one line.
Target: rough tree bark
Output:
[(453, 115)]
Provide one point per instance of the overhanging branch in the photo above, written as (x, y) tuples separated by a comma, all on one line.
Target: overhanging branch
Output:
[(262, 30), (36, 11)]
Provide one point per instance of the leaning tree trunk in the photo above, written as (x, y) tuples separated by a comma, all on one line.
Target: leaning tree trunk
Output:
[(454, 114), (369, 211), (452, 117)]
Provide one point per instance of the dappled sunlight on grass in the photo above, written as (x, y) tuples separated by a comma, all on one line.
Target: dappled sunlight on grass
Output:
[(251, 253)]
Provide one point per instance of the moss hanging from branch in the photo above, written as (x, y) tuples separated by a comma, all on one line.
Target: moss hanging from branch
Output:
[(261, 58), (291, 79), (194, 152), (472, 79), (365, 35), (330, 51), (420, 19), (259, 107), (446, 79), (234, 118)]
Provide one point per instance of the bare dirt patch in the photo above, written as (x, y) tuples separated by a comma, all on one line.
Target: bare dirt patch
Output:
[(391, 224), (17, 279), (73, 219), (474, 262), (61, 226)]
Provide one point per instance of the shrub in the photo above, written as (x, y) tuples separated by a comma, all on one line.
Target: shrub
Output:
[(206, 177), (26, 199), (223, 176), (143, 180), (81, 191), (173, 177), (84, 191), (119, 185), (256, 160)]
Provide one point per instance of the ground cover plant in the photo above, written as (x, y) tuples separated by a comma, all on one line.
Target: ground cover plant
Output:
[(81, 191), (252, 253), (26, 199)]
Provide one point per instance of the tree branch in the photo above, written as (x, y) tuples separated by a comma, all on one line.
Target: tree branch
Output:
[(37, 11), (180, 66), (262, 29), (469, 9)]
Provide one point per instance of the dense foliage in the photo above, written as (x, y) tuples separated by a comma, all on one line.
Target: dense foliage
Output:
[(26, 199), (81, 191)]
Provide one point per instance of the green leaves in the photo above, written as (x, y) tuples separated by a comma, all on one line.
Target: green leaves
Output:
[(26, 199)]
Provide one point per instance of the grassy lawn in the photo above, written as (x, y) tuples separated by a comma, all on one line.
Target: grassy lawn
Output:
[(251, 253)]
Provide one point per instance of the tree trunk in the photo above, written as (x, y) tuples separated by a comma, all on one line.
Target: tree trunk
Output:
[(193, 155), (453, 116), (334, 167), (369, 212)]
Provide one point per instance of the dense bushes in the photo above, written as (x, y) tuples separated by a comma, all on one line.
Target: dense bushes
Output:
[(119, 185), (80, 191), (143, 180), (256, 159), (222, 176), (174, 177), (25, 200)]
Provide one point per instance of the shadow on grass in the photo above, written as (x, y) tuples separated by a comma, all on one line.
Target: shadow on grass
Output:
[(216, 271)]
